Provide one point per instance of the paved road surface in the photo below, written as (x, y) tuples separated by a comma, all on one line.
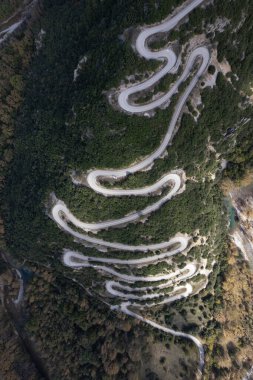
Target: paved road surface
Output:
[(158, 288)]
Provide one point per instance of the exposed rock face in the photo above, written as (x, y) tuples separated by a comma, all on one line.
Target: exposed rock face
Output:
[(242, 235)]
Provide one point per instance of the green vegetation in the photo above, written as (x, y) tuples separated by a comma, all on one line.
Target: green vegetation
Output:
[(86, 340), (15, 361), (64, 125), (45, 162)]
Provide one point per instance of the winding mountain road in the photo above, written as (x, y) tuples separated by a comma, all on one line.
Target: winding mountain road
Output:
[(181, 242), (15, 21), (61, 209), (124, 307), (125, 288)]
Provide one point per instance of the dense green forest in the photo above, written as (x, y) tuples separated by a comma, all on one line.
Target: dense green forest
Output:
[(52, 130), (52, 125)]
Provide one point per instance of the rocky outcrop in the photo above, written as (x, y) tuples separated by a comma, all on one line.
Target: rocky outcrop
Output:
[(242, 234)]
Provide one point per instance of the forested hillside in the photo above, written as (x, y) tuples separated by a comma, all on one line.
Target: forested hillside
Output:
[(56, 79)]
